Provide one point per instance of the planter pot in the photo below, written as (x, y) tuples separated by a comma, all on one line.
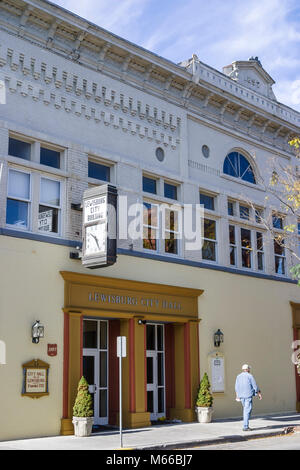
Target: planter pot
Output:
[(82, 426), (204, 414)]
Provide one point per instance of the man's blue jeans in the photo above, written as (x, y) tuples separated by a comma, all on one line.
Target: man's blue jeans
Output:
[(247, 408)]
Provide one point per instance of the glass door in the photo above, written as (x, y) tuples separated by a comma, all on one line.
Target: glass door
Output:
[(95, 366), (155, 371)]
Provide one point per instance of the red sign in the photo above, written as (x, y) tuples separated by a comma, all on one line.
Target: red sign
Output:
[(52, 349)]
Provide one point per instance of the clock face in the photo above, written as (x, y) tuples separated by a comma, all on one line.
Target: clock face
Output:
[(95, 239)]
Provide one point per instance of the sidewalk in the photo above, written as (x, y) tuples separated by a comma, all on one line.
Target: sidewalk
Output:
[(164, 436)]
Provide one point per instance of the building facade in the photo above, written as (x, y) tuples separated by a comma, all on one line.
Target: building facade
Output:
[(81, 107)]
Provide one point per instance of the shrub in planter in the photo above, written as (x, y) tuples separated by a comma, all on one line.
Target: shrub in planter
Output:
[(204, 401), (83, 410)]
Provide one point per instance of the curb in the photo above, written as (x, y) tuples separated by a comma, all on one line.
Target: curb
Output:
[(208, 442)]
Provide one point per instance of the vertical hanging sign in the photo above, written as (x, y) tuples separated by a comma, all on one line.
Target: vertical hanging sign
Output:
[(99, 227)]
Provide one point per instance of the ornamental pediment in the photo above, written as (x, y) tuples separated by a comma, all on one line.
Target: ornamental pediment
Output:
[(252, 75)]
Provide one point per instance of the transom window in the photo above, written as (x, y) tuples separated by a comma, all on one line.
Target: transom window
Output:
[(98, 171), (236, 165)]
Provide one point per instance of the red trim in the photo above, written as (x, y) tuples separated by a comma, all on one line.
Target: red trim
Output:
[(81, 346), (66, 366), (145, 359), (198, 353), (113, 370), (169, 368), (131, 367), (187, 366), (297, 338)]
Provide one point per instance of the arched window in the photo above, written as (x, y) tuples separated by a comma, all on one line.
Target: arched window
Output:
[(236, 165)]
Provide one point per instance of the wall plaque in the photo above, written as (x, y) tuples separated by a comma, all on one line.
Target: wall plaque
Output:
[(52, 350), (35, 379), (217, 372)]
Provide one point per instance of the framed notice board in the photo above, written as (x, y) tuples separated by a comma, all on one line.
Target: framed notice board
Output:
[(35, 379)]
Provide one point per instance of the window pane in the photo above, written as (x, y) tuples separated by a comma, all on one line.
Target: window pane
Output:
[(103, 404), (259, 241), (231, 166), (48, 219), (210, 229), (17, 148), (88, 369), (170, 191), (149, 185), (160, 369), (171, 244), (246, 258), (260, 261), (245, 238), (230, 208), (160, 338), (89, 334), (149, 370), (209, 251), (50, 158), (150, 402), (150, 329), (161, 400), (149, 239), (279, 265), (50, 192), (103, 369), (244, 212), (258, 215), (232, 255), (277, 222), (103, 335), (19, 184), (246, 172), (98, 171), (150, 214), (17, 213), (232, 234), (207, 201), (278, 249), (171, 220)]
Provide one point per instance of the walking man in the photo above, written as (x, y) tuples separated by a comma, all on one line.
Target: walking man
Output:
[(245, 389)]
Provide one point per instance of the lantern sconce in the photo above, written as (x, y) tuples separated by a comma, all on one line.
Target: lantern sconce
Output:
[(37, 332), (142, 322), (218, 338)]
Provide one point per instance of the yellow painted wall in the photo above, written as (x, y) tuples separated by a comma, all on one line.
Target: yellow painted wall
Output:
[(254, 315)]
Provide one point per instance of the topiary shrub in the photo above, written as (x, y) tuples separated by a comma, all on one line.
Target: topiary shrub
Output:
[(83, 407), (204, 397)]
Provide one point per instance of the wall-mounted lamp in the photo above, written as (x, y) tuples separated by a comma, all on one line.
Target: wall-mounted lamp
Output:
[(37, 331), (218, 338), (142, 322)]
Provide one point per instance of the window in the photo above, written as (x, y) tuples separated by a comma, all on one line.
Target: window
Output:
[(18, 148), (207, 201), (170, 191), (149, 185), (246, 247), (171, 228), (232, 245), (209, 240), (230, 208), (259, 213), (49, 208), (279, 252), (50, 157), (277, 222), (244, 212), (98, 171), (150, 226), (17, 207), (259, 251), (236, 165)]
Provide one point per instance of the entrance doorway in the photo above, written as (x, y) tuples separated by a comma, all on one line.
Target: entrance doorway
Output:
[(95, 366), (155, 354)]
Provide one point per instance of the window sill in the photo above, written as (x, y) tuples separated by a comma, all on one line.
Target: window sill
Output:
[(240, 181)]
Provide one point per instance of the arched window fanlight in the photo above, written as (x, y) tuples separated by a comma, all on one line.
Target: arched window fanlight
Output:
[(236, 165)]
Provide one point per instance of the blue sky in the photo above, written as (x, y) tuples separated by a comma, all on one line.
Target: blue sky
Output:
[(218, 31)]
